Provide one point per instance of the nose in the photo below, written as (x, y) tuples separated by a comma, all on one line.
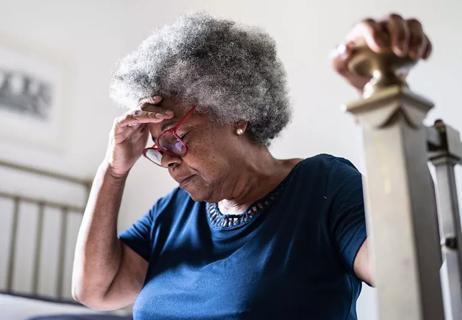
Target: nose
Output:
[(170, 160)]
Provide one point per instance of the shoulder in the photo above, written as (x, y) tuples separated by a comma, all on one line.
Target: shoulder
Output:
[(326, 180), (325, 173), (327, 164)]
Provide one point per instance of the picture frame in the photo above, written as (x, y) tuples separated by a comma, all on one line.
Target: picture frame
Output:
[(31, 95)]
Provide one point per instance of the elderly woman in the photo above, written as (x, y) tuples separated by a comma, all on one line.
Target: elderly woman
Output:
[(245, 235)]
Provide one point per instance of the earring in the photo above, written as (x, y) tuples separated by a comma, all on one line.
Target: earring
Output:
[(239, 131)]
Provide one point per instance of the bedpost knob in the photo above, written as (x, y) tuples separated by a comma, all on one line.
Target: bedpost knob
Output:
[(385, 68)]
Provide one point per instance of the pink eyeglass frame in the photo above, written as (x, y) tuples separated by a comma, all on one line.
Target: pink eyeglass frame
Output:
[(172, 131)]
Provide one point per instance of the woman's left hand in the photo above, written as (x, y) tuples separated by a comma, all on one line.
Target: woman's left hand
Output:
[(405, 37)]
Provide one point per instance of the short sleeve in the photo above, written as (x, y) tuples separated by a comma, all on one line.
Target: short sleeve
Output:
[(347, 221), (138, 235)]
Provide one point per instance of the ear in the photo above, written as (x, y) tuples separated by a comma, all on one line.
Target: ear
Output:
[(240, 127)]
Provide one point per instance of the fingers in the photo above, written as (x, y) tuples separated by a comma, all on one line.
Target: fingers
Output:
[(371, 32), (341, 56), (340, 59), (150, 103), (405, 37), (134, 122), (138, 117), (399, 34), (121, 135), (140, 132), (418, 40), (150, 100), (428, 50)]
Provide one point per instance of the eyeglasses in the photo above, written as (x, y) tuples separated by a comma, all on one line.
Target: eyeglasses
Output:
[(168, 142)]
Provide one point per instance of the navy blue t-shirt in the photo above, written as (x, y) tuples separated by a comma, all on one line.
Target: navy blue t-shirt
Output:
[(293, 260)]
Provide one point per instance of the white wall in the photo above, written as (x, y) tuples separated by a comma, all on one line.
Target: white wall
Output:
[(88, 37)]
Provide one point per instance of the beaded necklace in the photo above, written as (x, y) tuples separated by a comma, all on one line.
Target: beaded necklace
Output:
[(228, 221)]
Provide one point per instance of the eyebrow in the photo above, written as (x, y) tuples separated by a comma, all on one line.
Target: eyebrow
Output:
[(165, 125)]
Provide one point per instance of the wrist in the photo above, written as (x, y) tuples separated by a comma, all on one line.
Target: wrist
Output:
[(106, 168)]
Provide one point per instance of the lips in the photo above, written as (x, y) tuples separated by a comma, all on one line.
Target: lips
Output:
[(184, 180)]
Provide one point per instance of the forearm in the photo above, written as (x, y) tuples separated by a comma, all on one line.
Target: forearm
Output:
[(98, 250)]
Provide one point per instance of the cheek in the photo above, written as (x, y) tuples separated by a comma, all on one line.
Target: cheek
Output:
[(203, 160), (207, 159)]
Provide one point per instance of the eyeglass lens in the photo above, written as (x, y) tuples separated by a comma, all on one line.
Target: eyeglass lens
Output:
[(169, 142), (172, 143), (153, 155)]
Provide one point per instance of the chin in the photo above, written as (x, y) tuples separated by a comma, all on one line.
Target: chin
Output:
[(199, 190), (197, 195)]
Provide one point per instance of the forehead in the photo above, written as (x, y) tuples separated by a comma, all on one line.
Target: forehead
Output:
[(194, 119)]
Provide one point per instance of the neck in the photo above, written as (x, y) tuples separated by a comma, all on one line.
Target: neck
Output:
[(258, 175)]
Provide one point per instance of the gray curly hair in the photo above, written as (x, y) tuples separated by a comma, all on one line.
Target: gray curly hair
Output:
[(228, 70)]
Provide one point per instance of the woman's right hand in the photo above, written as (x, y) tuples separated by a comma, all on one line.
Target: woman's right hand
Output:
[(129, 135)]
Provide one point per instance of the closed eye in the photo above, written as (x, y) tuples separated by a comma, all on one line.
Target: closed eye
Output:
[(184, 135), (181, 136)]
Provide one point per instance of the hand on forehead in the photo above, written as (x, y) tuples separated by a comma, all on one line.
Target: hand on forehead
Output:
[(150, 104), (158, 112), (160, 104), (148, 111)]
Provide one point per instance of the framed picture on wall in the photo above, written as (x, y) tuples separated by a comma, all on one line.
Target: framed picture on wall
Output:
[(30, 99)]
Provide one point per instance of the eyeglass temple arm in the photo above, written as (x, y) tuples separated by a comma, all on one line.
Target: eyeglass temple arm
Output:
[(185, 117)]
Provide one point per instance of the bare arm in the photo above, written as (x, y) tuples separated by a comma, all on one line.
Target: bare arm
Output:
[(108, 274), (362, 264)]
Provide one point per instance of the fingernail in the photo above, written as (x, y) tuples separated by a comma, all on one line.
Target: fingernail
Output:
[(350, 45), (155, 99), (339, 51), (342, 49), (398, 50), (169, 113)]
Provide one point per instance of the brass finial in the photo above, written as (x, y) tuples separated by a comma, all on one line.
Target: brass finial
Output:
[(385, 68)]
